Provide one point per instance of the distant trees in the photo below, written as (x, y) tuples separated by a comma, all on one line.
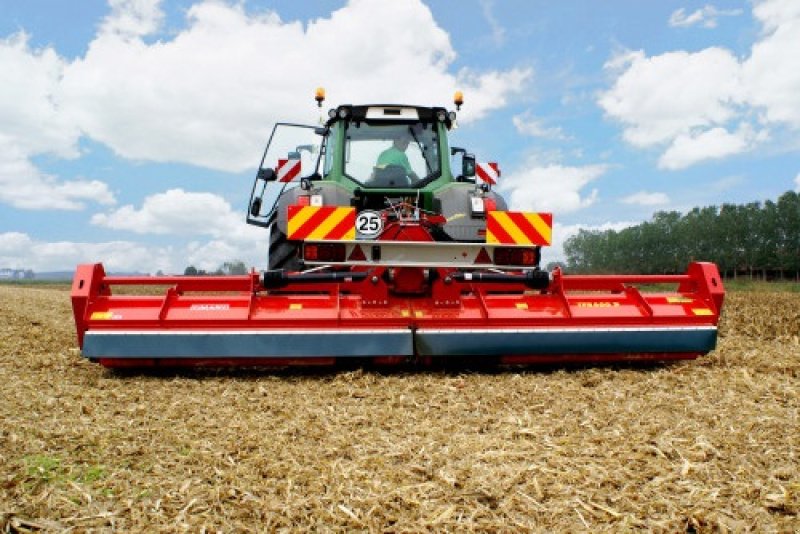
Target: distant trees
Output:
[(755, 239), (229, 267)]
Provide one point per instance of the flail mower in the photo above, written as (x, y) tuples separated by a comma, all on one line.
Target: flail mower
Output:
[(379, 251)]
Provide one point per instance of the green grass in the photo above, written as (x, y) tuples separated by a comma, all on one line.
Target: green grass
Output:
[(42, 468)]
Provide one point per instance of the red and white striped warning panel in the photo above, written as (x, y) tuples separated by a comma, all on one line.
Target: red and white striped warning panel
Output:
[(488, 172), (519, 228), (321, 223), (287, 169)]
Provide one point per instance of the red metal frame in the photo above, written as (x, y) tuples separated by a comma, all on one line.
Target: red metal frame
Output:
[(241, 303)]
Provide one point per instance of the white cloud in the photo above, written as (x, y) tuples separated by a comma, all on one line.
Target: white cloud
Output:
[(18, 250), (24, 186), (29, 119), (797, 183), (133, 17), (200, 97), (710, 104), (661, 97), (774, 13), (550, 187), (645, 198), (705, 16), (527, 124), (182, 213), (716, 143), (32, 124), (771, 75)]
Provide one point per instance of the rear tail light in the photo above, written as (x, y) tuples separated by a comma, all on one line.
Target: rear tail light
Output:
[(325, 252), (516, 256)]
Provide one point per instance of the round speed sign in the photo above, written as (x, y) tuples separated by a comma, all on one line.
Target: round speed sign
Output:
[(369, 223)]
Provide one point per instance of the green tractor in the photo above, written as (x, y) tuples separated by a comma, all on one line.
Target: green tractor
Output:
[(391, 164)]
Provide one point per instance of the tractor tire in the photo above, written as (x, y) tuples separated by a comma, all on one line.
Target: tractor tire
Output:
[(283, 254)]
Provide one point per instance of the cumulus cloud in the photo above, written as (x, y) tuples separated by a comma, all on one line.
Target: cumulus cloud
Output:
[(706, 16), (710, 104), (658, 98), (699, 145), (797, 183), (201, 98), (133, 17), (550, 187), (210, 231), (19, 250), (182, 213), (645, 198), (32, 124), (24, 186)]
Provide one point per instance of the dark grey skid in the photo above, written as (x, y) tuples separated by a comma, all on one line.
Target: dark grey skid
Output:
[(518, 342), (396, 342), (248, 344)]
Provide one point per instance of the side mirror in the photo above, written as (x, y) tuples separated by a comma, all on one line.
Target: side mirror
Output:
[(468, 166), (268, 175), (255, 207)]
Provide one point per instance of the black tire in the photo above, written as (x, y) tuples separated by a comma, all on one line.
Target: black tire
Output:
[(283, 254)]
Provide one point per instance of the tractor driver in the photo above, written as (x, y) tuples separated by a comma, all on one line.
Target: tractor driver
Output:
[(396, 155)]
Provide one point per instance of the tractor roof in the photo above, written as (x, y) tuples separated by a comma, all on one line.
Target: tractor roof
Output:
[(390, 113)]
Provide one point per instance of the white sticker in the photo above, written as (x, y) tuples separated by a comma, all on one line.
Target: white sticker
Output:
[(210, 307), (477, 204)]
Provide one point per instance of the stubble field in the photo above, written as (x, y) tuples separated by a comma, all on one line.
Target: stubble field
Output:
[(704, 446)]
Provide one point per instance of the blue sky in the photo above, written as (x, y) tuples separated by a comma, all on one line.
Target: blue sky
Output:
[(130, 130)]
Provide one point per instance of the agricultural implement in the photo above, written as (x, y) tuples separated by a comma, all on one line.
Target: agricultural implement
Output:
[(380, 252)]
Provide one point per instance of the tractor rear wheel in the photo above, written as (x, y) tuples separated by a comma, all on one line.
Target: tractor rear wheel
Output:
[(282, 253)]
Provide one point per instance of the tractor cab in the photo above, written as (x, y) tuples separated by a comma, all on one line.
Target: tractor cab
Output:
[(364, 154)]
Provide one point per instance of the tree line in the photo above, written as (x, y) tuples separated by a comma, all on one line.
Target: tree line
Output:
[(754, 239)]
